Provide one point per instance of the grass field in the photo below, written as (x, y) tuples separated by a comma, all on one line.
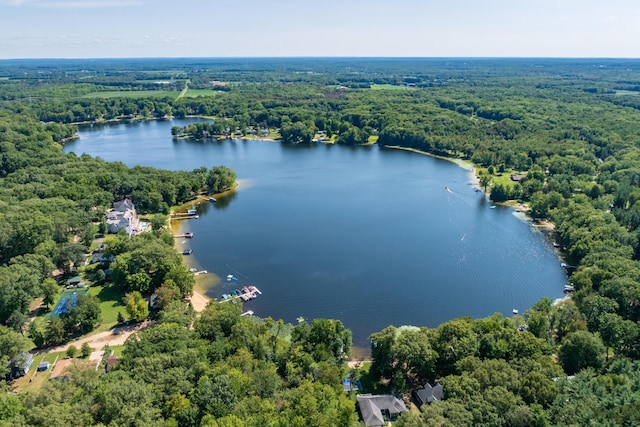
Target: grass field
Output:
[(110, 304), (389, 87), (134, 94), (627, 92), (369, 383), (195, 93)]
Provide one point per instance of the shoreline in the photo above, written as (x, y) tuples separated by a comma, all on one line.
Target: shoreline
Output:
[(543, 224)]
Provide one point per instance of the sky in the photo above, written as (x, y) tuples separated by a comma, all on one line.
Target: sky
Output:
[(293, 28)]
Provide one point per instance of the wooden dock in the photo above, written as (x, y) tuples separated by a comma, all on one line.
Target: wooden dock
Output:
[(185, 216)]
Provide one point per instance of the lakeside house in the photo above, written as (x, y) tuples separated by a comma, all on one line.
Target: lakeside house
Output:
[(429, 394), (122, 216), (20, 365), (376, 410)]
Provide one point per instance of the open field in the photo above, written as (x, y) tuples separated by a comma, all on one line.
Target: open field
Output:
[(389, 87), (195, 93), (627, 92), (110, 304), (134, 94)]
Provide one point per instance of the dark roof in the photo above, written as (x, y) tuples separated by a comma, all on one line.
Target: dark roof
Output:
[(111, 362), (429, 393), (75, 279), (371, 408)]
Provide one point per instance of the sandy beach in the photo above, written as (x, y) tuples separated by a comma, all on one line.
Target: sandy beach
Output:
[(199, 301)]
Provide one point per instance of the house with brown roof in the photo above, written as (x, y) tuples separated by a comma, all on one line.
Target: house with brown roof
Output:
[(59, 371)]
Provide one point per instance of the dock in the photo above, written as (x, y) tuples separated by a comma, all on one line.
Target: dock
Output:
[(567, 266), (184, 216), (247, 313), (200, 272), (186, 235), (248, 295)]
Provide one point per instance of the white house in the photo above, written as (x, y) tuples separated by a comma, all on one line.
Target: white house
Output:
[(123, 215)]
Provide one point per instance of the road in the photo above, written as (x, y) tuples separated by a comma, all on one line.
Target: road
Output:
[(113, 337)]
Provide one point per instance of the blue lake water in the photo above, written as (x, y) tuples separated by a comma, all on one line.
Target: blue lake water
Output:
[(370, 236)]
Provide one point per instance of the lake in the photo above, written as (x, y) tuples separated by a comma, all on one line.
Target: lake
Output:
[(370, 236)]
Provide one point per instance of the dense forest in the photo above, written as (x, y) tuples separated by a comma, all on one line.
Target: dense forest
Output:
[(569, 129)]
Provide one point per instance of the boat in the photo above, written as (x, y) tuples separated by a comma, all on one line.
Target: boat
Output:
[(193, 269), (569, 288), (515, 311), (192, 211), (231, 277), (212, 199), (233, 292), (187, 252), (188, 234)]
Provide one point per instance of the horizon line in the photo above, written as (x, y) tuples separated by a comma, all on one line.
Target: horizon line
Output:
[(317, 57)]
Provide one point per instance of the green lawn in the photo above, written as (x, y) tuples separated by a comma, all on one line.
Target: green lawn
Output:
[(110, 304), (503, 178), (370, 384), (194, 93), (133, 94), (117, 350), (627, 92)]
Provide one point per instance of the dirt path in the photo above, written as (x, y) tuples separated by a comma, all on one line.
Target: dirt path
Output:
[(116, 336)]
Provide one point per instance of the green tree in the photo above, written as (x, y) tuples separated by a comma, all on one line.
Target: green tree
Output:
[(137, 306), (11, 344), (72, 351), (50, 290), (182, 278), (485, 180), (36, 335), (16, 321), (54, 332), (579, 350), (220, 178), (85, 350), (412, 354), (83, 316)]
